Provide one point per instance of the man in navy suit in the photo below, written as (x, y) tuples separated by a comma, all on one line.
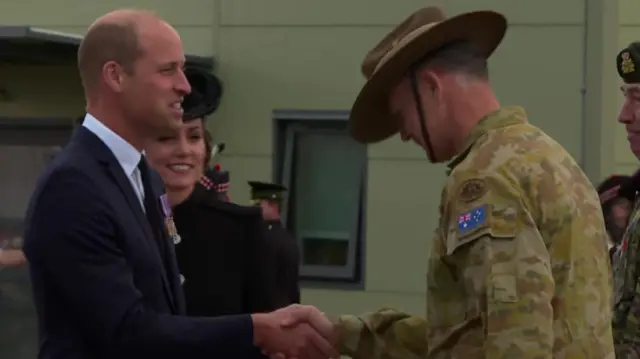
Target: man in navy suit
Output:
[(103, 269)]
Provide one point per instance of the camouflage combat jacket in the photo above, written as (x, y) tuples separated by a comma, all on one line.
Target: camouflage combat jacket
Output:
[(519, 266), (626, 298), (384, 334)]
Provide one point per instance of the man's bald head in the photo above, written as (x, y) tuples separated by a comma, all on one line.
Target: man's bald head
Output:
[(113, 37), (131, 63)]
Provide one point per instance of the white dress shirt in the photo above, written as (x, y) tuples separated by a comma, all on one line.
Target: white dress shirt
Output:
[(127, 155)]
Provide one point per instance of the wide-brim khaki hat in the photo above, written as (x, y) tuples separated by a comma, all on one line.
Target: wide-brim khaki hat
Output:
[(423, 32)]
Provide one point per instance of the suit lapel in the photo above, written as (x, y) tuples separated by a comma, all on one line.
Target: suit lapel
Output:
[(115, 171)]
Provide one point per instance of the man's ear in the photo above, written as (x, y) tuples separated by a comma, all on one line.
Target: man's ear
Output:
[(433, 85), (433, 82), (112, 75)]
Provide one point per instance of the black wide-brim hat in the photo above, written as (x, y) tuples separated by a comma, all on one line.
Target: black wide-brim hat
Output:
[(206, 92)]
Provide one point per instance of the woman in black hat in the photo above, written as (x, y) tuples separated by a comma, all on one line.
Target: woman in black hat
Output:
[(615, 208), (218, 243)]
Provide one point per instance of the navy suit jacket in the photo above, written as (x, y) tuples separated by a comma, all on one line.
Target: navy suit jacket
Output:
[(104, 286)]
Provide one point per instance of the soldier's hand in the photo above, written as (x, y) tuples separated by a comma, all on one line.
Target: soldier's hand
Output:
[(292, 342), (299, 314)]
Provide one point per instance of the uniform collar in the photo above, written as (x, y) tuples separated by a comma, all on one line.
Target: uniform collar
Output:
[(503, 117)]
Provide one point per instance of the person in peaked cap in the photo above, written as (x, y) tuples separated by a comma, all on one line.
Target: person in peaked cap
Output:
[(218, 244), (513, 198), (285, 254), (615, 208), (625, 261)]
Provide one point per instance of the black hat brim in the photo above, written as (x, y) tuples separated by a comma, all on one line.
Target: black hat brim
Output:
[(205, 96)]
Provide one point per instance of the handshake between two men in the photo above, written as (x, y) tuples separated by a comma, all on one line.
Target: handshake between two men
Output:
[(303, 332), (296, 332)]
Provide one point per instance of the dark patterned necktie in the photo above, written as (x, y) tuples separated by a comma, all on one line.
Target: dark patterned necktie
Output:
[(150, 204)]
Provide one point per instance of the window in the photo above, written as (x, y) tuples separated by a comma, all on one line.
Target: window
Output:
[(325, 172), (26, 147)]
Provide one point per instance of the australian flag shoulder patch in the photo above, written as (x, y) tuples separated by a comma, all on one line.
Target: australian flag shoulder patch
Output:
[(472, 219)]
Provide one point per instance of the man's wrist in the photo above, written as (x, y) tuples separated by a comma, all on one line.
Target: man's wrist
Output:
[(260, 327)]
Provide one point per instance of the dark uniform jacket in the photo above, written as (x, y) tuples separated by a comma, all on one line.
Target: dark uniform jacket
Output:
[(285, 260), (221, 257)]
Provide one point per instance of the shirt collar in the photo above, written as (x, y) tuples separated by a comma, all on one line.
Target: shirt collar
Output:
[(501, 118), (127, 155)]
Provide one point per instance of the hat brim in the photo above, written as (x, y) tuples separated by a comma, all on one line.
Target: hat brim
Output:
[(370, 120), (204, 99)]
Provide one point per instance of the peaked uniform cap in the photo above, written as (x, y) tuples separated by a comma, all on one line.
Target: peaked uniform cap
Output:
[(423, 32), (265, 190)]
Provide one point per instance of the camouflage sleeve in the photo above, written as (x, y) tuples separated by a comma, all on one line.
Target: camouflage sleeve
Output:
[(505, 266), (384, 334)]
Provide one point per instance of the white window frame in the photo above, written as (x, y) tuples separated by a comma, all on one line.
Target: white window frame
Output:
[(287, 124)]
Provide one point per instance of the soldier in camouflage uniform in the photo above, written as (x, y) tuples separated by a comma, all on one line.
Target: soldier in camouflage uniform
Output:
[(615, 209), (626, 307), (519, 266)]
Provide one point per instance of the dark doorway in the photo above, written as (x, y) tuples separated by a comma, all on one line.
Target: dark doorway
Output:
[(26, 147)]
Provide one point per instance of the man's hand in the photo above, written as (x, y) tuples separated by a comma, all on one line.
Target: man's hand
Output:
[(12, 258), (302, 316), (283, 334)]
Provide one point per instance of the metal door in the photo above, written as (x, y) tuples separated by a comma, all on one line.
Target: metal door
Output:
[(24, 154)]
